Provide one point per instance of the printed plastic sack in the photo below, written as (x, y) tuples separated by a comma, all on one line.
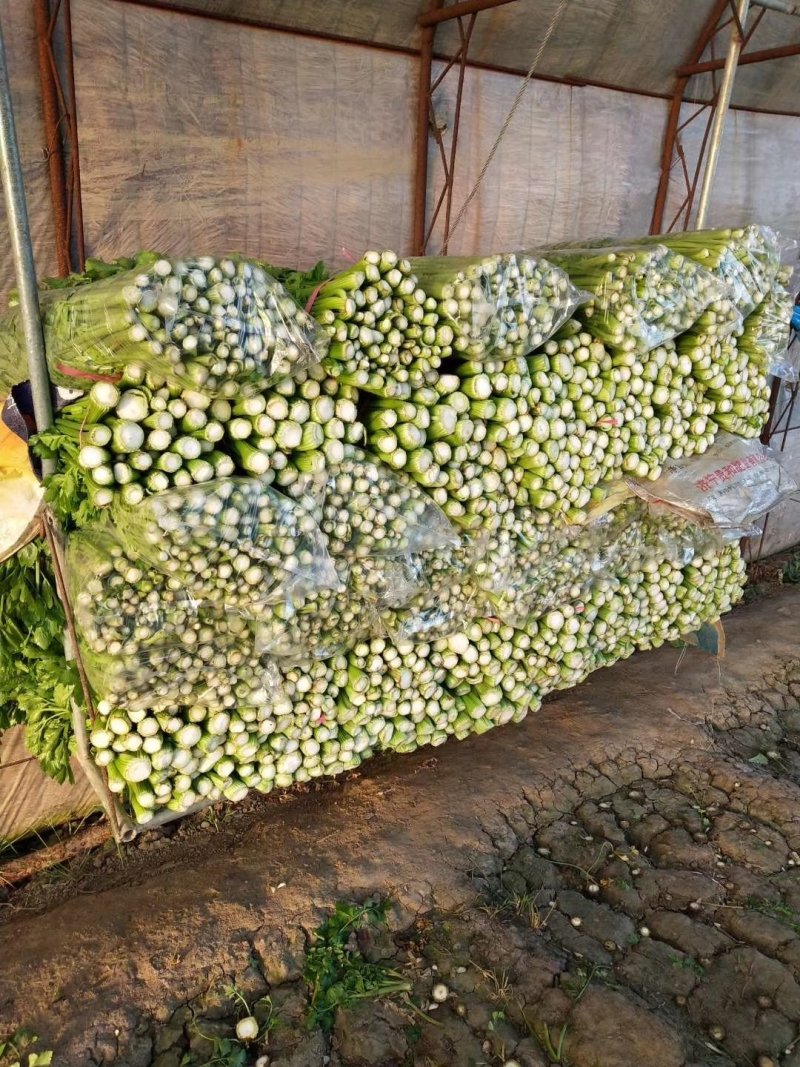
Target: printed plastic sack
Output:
[(730, 487), (642, 295), (500, 306), (236, 544), (207, 322)]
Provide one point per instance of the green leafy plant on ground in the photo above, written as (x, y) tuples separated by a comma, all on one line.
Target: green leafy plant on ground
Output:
[(16, 1050), (37, 684), (791, 572), (234, 1050), (336, 972), (776, 910)]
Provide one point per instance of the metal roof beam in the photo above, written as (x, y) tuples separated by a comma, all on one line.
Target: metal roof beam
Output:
[(455, 11), (763, 56)]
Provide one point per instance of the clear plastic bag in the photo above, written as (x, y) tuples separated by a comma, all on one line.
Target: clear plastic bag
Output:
[(745, 259), (501, 306), (443, 597), (642, 295), (320, 626), (214, 664), (432, 613), (120, 602), (730, 487), (205, 322), (526, 570), (767, 330), (236, 543), (383, 526)]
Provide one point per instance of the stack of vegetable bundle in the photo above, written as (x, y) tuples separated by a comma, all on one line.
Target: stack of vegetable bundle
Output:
[(765, 336), (396, 544), (205, 322), (745, 260)]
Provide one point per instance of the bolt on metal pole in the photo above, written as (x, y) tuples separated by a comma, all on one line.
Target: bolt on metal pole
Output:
[(22, 251), (721, 113)]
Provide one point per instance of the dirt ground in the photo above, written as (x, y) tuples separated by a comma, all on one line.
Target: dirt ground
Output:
[(612, 883)]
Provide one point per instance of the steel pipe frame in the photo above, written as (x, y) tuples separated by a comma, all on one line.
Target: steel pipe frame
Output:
[(427, 124), (672, 151), (53, 20), (723, 100)]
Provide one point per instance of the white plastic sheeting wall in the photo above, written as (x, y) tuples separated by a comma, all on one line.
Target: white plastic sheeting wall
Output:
[(200, 135), (757, 173), (573, 162)]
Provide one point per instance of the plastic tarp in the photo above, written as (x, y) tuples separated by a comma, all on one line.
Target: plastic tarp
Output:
[(572, 163), (242, 139), (29, 800)]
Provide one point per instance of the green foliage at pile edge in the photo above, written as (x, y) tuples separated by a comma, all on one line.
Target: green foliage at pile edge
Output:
[(37, 683)]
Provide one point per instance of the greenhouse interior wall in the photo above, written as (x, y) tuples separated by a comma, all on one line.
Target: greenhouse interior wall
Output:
[(199, 134)]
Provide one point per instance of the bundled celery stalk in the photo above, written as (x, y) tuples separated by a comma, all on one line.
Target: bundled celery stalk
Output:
[(386, 336), (642, 295), (205, 322), (129, 441), (746, 260), (235, 544), (765, 336), (498, 307), (739, 392)]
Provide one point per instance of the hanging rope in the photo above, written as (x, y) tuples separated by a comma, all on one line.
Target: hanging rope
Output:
[(510, 116)]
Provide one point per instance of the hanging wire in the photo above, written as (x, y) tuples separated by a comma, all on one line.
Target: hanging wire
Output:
[(554, 21)]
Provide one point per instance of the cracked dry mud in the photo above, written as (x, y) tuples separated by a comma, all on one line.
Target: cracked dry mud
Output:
[(613, 883)]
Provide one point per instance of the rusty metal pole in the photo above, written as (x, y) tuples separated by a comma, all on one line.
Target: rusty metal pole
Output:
[(721, 113), (673, 119), (53, 141), (22, 252), (423, 122)]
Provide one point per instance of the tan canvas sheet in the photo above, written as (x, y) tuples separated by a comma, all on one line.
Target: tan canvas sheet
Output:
[(29, 800)]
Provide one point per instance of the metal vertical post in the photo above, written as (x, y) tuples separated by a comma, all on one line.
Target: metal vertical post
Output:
[(721, 113), (22, 251)]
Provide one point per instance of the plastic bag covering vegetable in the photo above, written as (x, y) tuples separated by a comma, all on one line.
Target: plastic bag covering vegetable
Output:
[(527, 569), (641, 295), (730, 487), (745, 259), (765, 338), (236, 543), (443, 592), (501, 306), (317, 627), (205, 322), (213, 664), (383, 525), (121, 603)]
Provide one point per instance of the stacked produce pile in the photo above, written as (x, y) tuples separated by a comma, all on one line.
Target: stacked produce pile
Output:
[(297, 538)]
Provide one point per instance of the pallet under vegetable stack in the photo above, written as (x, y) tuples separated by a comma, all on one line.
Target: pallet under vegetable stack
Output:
[(295, 540)]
